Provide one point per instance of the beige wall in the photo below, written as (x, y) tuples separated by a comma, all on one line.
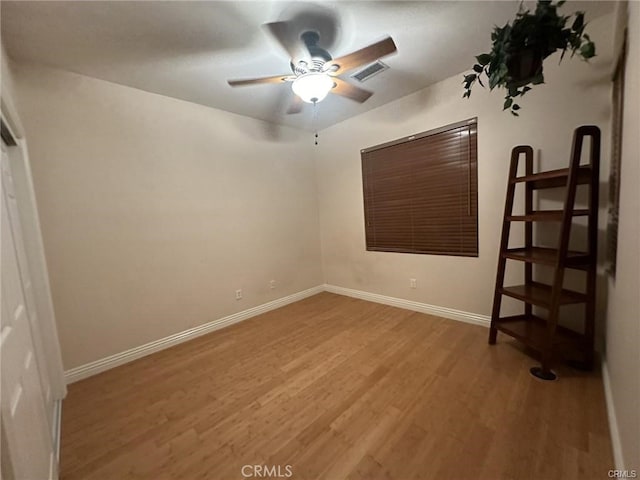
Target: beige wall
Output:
[(623, 322), (154, 210), (7, 89), (6, 74), (577, 94)]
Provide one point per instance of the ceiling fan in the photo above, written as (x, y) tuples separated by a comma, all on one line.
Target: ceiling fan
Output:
[(315, 72)]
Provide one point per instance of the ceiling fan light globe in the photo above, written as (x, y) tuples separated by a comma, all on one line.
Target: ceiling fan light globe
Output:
[(312, 87)]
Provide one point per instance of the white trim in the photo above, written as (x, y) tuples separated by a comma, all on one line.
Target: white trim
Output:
[(29, 218), (93, 368), (461, 316), (57, 427), (53, 467), (616, 443), (11, 117)]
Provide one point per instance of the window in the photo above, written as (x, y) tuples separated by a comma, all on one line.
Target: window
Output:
[(421, 192)]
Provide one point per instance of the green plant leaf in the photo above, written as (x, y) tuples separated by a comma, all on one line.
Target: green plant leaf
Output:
[(507, 103), (480, 81), (466, 94), (498, 77), (483, 59), (578, 23), (515, 106), (493, 80), (515, 114), (588, 50), (543, 30)]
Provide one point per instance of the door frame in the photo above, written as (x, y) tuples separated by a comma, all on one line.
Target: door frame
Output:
[(29, 449), (35, 253)]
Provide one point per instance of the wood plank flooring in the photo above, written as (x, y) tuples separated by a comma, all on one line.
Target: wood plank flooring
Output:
[(336, 388)]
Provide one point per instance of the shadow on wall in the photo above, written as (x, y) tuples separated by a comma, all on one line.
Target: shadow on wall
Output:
[(411, 106), (599, 76), (572, 316), (259, 130)]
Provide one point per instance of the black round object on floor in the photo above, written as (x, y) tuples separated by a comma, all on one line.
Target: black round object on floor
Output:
[(541, 374)]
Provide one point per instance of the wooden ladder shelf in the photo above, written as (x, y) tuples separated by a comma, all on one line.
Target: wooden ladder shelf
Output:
[(545, 335)]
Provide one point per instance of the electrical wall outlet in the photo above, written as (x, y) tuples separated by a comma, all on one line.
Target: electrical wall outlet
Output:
[(272, 284), (238, 294), (413, 283)]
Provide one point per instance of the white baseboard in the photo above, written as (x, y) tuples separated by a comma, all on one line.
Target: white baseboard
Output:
[(616, 443), (98, 366), (93, 368), (467, 317), (57, 428)]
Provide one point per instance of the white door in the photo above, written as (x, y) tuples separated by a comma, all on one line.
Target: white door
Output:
[(23, 403), (27, 288)]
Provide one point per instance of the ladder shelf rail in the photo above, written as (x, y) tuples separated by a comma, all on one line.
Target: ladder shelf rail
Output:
[(547, 336)]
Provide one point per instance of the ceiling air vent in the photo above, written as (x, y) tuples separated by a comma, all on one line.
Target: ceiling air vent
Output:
[(369, 71)]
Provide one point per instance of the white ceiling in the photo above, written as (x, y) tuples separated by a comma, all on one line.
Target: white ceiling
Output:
[(188, 49)]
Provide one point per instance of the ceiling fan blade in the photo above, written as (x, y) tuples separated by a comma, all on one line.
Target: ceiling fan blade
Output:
[(345, 89), (255, 81), (288, 41), (296, 105), (363, 56)]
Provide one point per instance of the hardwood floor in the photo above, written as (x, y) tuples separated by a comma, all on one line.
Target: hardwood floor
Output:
[(335, 387)]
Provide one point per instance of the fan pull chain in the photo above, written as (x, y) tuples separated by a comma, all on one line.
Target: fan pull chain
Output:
[(314, 121)]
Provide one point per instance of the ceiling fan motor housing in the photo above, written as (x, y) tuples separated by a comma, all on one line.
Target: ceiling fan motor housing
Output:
[(302, 67), (311, 39), (318, 55)]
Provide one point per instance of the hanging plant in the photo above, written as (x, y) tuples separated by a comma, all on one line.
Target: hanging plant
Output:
[(519, 49)]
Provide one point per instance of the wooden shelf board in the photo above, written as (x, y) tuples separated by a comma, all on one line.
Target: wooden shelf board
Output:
[(545, 216), (532, 331), (547, 256), (540, 294), (554, 178)]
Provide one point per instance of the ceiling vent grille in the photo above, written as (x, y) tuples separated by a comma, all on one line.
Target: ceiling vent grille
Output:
[(369, 71)]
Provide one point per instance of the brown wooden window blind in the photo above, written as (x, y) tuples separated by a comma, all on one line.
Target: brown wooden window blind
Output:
[(421, 192)]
